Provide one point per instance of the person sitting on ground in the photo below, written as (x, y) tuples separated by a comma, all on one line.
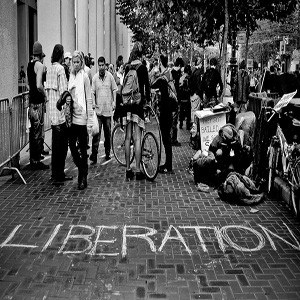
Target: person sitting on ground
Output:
[(227, 149)]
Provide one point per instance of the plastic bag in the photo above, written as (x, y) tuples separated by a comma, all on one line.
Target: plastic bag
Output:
[(95, 129)]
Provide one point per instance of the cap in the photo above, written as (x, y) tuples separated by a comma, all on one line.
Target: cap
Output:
[(37, 49), (227, 132), (68, 55)]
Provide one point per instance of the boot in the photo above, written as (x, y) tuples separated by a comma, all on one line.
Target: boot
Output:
[(84, 181), (80, 185)]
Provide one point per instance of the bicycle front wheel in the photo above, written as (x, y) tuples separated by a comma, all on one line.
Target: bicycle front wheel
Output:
[(118, 145), (295, 187), (273, 160), (150, 156)]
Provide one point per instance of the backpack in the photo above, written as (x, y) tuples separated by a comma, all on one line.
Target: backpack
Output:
[(171, 91), (184, 89), (131, 91)]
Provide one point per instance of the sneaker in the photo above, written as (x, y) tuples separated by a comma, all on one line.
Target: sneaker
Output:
[(140, 176), (107, 157), (93, 159), (39, 166), (163, 170), (44, 152), (93, 162), (176, 144)]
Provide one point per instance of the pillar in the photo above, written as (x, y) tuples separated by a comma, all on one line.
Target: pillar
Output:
[(24, 50), (100, 30), (68, 25), (82, 23), (49, 32), (107, 32), (113, 41)]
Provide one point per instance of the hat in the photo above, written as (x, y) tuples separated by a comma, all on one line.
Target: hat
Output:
[(227, 132), (38, 49), (68, 55)]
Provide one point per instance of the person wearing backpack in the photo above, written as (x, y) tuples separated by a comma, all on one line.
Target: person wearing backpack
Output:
[(184, 98), (135, 94), (210, 81)]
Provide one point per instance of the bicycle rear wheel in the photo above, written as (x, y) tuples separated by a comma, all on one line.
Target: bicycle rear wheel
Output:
[(152, 124), (273, 161), (150, 156), (295, 187), (118, 145)]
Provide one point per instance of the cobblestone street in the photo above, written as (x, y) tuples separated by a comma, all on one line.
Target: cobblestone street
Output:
[(141, 240)]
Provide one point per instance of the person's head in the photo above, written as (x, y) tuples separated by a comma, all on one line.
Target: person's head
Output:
[(119, 61), (37, 51), (111, 68), (77, 61), (68, 58), (120, 68), (136, 52), (101, 65), (164, 60), (179, 62), (213, 62), (188, 69), (57, 54), (243, 65)]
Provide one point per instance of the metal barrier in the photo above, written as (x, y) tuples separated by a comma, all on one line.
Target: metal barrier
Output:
[(13, 132), (4, 131)]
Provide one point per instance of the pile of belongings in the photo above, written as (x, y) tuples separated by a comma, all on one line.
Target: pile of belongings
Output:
[(239, 188)]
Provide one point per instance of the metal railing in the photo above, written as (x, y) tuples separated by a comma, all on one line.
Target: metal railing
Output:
[(13, 130)]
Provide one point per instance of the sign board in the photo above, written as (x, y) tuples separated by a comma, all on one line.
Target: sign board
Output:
[(284, 101), (241, 37), (249, 63), (209, 125)]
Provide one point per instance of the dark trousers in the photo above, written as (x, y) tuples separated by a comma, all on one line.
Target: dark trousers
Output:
[(165, 123), (174, 129), (59, 151), (106, 122), (36, 131), (78, 146), (185, 112)]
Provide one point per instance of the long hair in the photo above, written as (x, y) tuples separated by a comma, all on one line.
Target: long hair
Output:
[(136, 52), (57, 54), (80, 56)]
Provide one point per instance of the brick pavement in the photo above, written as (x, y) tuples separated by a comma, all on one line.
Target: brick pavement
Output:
[(38, 261)]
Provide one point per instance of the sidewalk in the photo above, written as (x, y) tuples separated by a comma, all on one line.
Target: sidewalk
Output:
[(141, 240)]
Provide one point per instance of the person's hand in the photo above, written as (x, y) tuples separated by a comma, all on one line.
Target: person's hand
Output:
[(89, 129)]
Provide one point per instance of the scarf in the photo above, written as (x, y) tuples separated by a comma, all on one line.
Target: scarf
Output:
[(76, 88)]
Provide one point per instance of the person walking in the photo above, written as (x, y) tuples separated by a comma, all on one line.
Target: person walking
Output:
[(56, 84), (135, 112), (241, 88), (160, 82), (37, 99), (104, 91), (176, 74), (210, 82), (184, 98), (82, 114)]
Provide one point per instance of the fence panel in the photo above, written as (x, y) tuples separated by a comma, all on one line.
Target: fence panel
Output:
[(19, 136), (4, 131)]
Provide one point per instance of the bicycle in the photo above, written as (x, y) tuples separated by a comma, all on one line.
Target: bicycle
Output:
[(284, 161), (151, 148)]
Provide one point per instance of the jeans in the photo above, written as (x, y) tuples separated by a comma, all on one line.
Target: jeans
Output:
[(106, 122), (185, 112), (59, 151), (36, 132), (165, 123), (78, 146)]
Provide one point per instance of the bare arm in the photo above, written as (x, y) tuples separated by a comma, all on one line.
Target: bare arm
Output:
[(39, 68)]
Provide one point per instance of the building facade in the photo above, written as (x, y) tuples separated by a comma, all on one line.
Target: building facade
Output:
[(91, 26)]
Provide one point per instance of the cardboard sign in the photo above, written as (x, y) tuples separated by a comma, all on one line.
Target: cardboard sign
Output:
[(284, 101), (209, 126)]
